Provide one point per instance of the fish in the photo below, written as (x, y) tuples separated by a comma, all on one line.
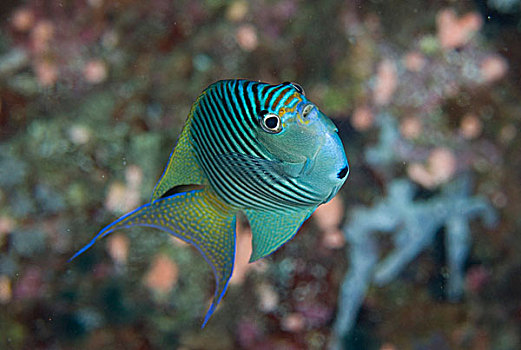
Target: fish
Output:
[(246, 146)]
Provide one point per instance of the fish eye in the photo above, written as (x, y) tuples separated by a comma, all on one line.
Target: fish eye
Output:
[(270, 123), (306, 110)]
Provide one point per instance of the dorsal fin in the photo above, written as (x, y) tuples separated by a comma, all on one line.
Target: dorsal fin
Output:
[(182, 167)]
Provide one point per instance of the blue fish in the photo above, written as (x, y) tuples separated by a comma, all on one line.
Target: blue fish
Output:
[(248, 146)]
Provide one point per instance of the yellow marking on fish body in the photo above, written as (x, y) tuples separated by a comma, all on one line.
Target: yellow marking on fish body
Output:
[(305, 122), (290, 108)]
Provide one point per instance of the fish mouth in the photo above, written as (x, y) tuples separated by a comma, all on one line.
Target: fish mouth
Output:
[(343, 173)]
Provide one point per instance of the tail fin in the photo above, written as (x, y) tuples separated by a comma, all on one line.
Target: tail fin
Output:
[(197, 217)]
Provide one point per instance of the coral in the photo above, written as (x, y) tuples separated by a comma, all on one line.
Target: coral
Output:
[(412, 225), (385, 151)]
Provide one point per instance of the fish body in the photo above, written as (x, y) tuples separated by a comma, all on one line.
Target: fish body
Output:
[(248, 146)]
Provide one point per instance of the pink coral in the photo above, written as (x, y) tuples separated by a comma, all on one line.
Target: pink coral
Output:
[(411, 127), (242, 256), (328, 217), (470, 126), (95, 71), (414, 61), (46, 73), (246, 37), (125, 197), (454, 32), (293, 322), (386, 82), (42, 34), (162, 275), (493, 68), (362, 118), (118, 248), (440, 168), (23, 19)]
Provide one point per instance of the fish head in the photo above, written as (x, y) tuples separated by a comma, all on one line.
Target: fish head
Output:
[(297, 133)]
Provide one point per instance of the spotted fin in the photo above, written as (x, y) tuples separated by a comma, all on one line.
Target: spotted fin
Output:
[(271, 229), (182, 167), (197, 217)]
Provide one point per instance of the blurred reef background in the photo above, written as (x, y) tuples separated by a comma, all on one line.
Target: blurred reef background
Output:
[(420, 249)]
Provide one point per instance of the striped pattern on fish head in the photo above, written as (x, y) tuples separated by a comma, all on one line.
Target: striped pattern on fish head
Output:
[(305, 136), (266, 146), (289, 124)]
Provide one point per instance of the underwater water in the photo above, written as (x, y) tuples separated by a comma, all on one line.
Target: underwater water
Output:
[(418, 250)]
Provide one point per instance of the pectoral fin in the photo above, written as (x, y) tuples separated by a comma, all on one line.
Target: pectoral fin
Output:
[(197, 217), (271, 229)]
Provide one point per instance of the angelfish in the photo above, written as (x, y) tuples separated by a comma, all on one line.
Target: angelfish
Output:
[(248, 146)]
